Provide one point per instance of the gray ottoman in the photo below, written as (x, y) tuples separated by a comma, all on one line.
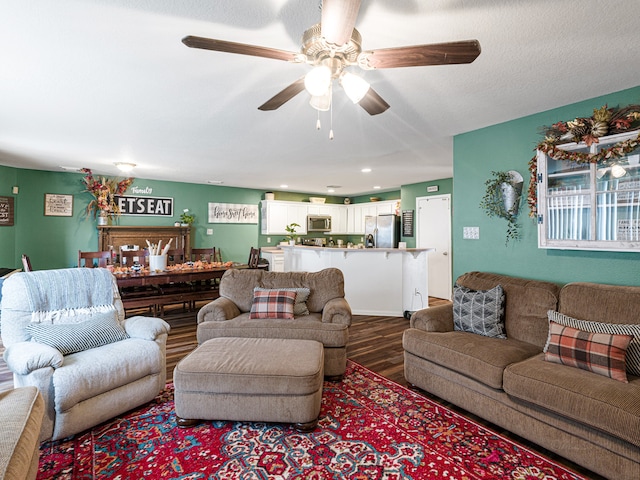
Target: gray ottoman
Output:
[(251, 379)]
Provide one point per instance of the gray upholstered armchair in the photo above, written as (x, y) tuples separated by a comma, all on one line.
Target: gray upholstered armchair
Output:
[(65, 333), (326, 321)]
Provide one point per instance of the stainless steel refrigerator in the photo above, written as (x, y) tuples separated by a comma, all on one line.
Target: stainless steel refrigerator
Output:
[(382, 231)]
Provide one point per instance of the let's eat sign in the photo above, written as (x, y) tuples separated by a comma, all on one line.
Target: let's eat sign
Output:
[(158, 206)]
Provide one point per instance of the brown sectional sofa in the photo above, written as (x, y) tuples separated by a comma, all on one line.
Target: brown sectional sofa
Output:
[(587, 418), (327, 322)]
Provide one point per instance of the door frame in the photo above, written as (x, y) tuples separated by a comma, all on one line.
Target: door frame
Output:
[(419, 219)]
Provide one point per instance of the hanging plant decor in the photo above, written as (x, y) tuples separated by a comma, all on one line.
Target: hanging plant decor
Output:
[(605, 121), (502, 199)]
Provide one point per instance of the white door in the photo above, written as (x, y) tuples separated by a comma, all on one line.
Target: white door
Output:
[(434, 231)]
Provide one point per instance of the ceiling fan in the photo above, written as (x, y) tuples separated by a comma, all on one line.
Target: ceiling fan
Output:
[(331, 47)]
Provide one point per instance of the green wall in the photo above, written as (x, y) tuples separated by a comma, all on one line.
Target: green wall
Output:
[(53, 242), (510, 146), (8, 234)]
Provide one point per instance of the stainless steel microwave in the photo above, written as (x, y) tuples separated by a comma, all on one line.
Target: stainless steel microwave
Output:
[(318, 223)]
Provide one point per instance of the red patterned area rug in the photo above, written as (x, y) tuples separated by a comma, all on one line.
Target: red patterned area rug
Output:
[(370, 428)]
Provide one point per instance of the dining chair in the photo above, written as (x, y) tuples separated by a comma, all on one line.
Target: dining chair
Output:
[(26, 263), (254, 257), (129, 257), (204, 254), (175, 256), (92, 259)]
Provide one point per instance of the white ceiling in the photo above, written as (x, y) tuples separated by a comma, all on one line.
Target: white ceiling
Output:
[(86, 83)]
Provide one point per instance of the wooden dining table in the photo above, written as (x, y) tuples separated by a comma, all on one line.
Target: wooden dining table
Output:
[(153, 289)]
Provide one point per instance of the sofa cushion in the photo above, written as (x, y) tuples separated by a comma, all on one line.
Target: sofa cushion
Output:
[(592, 400), (633, 351), (599, 353), (481, 358), (307, 327), (76, 337), (324, 285), (526, 303), (272, 304), (237, 285), (21, 413), (300, 306), (90, 373), (479, 311)]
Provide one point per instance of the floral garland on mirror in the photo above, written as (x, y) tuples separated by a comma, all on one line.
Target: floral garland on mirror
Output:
[(605, 121)]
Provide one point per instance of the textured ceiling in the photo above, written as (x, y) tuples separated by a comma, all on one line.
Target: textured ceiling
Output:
[(88, 83)]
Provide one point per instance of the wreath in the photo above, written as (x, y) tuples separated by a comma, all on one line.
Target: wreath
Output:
[(605, 121)]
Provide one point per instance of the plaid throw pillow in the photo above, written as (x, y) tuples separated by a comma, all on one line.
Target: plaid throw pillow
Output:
[(273, 304), (599, 353), (633, 352), (302, 294)]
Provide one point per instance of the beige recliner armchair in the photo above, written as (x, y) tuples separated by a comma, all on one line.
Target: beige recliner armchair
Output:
[(65, 333), (327, 320)]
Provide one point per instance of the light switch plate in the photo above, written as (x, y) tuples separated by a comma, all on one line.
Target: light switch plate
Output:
[(209, 231), (471, 233)]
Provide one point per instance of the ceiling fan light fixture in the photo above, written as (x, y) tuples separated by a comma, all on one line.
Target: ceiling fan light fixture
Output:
[(322, 102), (354, 86), (318, 81), (125, 166)]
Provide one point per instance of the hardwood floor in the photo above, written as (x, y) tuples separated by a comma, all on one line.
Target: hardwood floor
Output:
[(374, 342)]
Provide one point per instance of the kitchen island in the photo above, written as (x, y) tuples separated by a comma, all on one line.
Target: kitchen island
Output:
[(377, 281)]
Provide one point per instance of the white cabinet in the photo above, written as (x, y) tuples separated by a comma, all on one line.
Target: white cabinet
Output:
[(276, 215), (345, 219), (357, 212), (338, 219), (590, 206), (275, 259)]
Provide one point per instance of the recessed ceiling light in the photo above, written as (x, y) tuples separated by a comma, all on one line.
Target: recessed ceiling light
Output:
[(376, 187), (125, 166), (284, 186), (70, 169), (366, 170), (215, 182), (331, 190)]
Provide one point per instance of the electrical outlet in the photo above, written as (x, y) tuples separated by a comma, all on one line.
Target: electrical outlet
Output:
[(416, 292), (268, 239), (471, 233), (209, 231)]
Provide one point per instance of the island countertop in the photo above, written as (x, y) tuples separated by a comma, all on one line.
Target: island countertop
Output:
[(358, 250), (377, 281)]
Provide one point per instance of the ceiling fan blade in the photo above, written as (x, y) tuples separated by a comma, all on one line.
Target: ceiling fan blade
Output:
[(239, 48), (284, 96), (373, 103), (338, 19), (421, 55)]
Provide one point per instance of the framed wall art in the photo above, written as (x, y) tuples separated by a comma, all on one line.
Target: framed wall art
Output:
[(6, 211), (58, 205)]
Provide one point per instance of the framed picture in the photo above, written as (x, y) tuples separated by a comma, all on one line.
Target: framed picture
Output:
[(58, 205), (6, 211)]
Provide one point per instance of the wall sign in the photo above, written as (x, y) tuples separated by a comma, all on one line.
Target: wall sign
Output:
[(57, 205), (407, 223), (156, 206), (6, 211), (232, 213)]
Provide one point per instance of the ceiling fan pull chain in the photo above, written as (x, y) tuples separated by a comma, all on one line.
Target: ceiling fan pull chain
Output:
[(331, 116)]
